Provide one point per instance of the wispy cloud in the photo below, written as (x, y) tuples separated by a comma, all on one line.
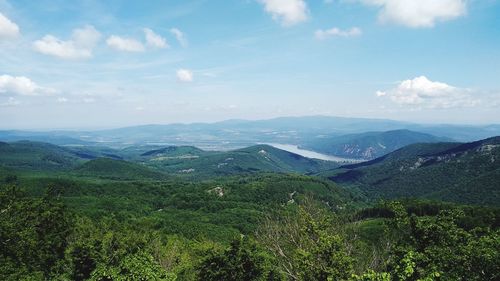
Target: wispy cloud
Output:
[(337, 32), (180, 36), (11, 101), (155, 40)]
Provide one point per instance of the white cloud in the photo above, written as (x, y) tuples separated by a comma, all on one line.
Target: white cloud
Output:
[(180, 36), (62, 100), (80, 46), (418, 13), (333, 32), (287, 12), (8, 29), (20, 85), (184, 75), (124, 44), (154, 39), (422, 92), (10, 102)]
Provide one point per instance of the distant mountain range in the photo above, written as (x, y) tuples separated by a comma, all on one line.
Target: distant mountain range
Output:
[(458, 172), (233, 134), (369, 145)]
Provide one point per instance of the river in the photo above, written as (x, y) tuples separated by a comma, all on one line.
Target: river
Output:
[(311, 154)]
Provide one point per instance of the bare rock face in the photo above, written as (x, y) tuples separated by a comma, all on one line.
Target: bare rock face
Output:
[(218, 190)]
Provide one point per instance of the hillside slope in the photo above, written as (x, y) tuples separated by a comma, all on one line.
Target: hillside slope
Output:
[(117, 169), (27, 155), (369, 145), (465, 173)]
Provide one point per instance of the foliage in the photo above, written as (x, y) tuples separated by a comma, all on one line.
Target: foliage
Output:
[(33, 234), (242, 261), (426, 248), (306, 244)]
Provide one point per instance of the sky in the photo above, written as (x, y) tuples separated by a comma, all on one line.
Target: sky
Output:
[(102, 64)]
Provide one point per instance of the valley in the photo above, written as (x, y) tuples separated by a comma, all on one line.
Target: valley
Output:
[(182, 206)]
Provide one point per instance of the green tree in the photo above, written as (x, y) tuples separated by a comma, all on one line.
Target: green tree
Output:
[(242, 261), (33, 235), (308, 243), (437, 247)]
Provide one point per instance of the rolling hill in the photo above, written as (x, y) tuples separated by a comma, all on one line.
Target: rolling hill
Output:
[(41, 156), (174, 151), (27, 155), (369, 145), (259, 158), (464, 173), (117, 169)]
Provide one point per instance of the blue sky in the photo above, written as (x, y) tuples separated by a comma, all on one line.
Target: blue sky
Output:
[(97, 64)]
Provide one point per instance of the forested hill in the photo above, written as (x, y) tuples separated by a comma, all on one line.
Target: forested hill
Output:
[(466, 173), (370, 145), (28, 155), (259, 158), (111, 168)]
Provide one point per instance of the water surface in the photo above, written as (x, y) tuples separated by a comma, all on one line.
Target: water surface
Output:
[(311, 154)]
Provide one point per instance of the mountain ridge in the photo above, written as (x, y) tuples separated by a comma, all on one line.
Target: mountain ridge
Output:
[(237, 133), (370, 145), (458, 172)]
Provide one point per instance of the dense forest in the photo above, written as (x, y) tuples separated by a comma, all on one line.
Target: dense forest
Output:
[(265, 227)]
